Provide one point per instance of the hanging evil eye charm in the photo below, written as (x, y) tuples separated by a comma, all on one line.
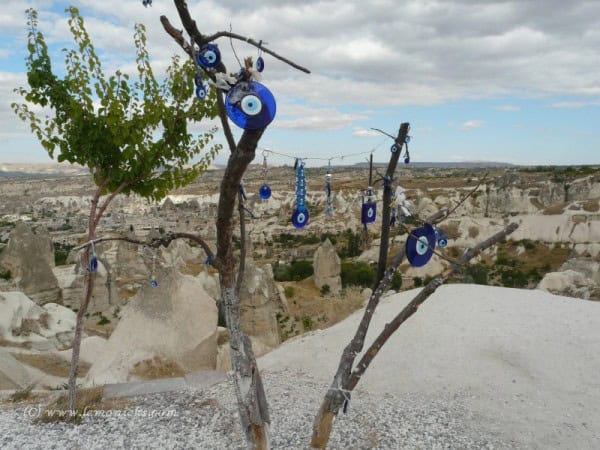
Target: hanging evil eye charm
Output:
[(154, 283), (250, 105), (368, 213), (264, 192), (93, 266), (209, 56), (407, 139), (407, 160), (260, 64), (394, 148), (442, 238), (147, 3), (202, 92), (300, 217), (420, 245)]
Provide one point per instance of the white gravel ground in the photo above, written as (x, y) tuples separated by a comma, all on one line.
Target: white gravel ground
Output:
[(208, 420), (476, 367)]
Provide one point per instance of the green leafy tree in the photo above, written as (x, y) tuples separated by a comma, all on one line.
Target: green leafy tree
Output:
[(132, 134)]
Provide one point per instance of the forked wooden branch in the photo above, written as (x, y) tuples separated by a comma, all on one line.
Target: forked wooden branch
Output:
[(199, 39), (345, 379), (423, 295)]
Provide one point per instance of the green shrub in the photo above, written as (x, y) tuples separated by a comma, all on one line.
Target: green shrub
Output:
[(325, 289), (103, 320), (396, 283), (5, 274), (296, 271), (478, 272), (352, 247), (357, 274), (308, 323), (418, 281), (289, 291), (61, 253)]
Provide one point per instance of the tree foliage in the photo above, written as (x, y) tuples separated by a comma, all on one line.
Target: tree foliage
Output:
[(133, 135)]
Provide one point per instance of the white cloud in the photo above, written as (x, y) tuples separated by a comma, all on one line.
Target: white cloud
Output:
[(575, 104), (472, 124), (508, 108), (364, 132), (303, 117)]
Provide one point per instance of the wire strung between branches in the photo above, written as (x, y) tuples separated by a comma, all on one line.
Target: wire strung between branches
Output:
[(320, 158)]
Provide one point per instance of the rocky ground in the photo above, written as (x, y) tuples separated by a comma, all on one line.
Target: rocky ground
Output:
[(208, 419)]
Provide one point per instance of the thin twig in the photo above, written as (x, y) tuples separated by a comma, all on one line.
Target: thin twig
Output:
[(256, 44), (162, 241)]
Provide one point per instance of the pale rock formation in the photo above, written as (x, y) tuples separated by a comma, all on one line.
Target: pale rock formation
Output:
[(175, 322), (568, 283), (259, 300), (210, 283), (92, 348), (13, 374), (44, 328), (71, 281), (29, 256), (327, 266)]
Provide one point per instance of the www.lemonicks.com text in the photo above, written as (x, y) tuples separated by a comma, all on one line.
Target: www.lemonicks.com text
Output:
[(34, 412)]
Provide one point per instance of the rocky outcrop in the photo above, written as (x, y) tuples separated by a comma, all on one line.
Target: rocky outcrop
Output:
[(327, 268), (71, 281), (567, 283), (92, 348), (259, 299), (29, 256), (175, 323), (43, 328), (13, 374)]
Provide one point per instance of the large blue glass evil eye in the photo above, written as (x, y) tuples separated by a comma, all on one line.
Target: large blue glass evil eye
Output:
[(394, 148), (209, 56), (264, 192), (260, 64), (153, 283), (420, 245), (250, 105), (300, 217)]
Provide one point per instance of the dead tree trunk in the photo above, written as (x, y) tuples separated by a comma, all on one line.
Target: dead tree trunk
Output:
[(252, 403)]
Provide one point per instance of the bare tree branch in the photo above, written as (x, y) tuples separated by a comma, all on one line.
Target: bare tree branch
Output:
[(177, 35), (225, 122), (110, 198), (387, 201), (256, 44), (163, 241)]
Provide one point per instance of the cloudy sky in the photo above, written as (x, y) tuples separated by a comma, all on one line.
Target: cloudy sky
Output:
[(514, 81)]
